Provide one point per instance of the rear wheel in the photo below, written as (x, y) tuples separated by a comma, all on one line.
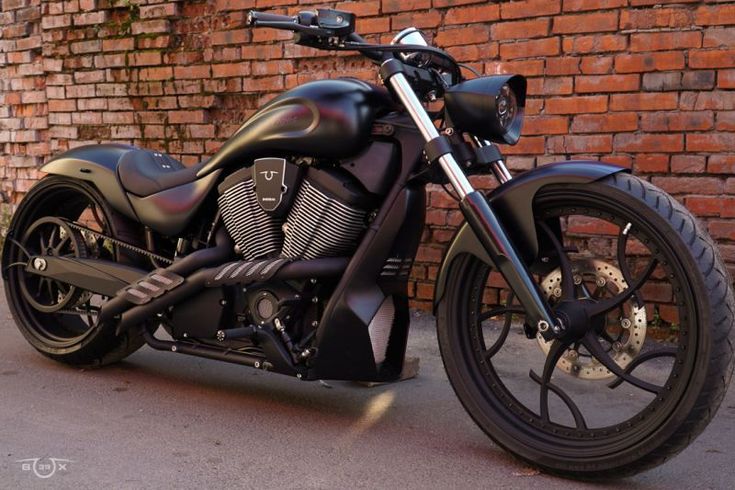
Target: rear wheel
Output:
[(648, 372), (58, 319)]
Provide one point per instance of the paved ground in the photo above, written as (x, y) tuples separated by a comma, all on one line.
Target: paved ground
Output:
[(166, 421)]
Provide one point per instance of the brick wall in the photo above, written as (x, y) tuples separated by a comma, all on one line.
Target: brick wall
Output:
[(642, 83)]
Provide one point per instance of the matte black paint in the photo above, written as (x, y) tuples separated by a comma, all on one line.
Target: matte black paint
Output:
[(471, 106), (513, 203), (96, 164), (169, 211), (99, 276), (342, 340), (322, 119)]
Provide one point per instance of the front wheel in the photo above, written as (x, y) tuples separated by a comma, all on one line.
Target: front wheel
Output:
[(649, 371)]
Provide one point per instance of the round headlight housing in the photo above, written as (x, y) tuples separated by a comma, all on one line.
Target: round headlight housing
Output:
[(490, 107)]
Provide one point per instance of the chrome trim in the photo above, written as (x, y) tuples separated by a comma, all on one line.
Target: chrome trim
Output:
[(499, 169), (419, 116)]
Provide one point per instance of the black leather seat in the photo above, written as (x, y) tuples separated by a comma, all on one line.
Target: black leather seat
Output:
[(146, 172)]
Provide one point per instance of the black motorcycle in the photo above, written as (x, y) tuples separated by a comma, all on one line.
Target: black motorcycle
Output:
[(290, 251)]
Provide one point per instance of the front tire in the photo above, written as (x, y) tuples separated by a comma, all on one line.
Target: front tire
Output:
[(44, 310), (691, 328)]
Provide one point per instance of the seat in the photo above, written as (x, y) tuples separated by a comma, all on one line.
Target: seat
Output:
[(145, 172)]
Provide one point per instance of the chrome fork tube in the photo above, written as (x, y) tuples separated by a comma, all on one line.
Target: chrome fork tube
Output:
[(498, 167), (413, 105), (483, 221)]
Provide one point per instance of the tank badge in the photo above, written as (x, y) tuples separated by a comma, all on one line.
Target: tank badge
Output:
[(270, 183)]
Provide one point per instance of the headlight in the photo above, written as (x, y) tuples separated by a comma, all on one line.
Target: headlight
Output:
[(488, 107)]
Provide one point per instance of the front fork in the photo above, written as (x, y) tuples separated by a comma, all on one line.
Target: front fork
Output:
[(483, 220)]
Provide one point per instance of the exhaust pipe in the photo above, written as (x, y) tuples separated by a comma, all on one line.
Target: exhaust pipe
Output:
[(169, 287), (221, 252)]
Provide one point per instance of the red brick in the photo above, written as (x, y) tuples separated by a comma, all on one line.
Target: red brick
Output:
[(472, 14), (404, 5), (150, 26), (144, 58), (361, 8), (525, 67), (523, 29), (598, 43), (648, 143), (160, 10), (593, 22), (421, 20), (725, 121), (715, 142), (530, 49), (237, 36), (605, 123), (643, 102), (723, 58), (721, 164), (663, 41), (651, 163), (579, 5), (633, 63), (607, 83), (568, 65), (655, 17), (705, 205), (690, 164), (188, 116), (597, 65), (462, 35), (580, 144), (545, 125), (529, 8), (719, 37), (231, 70), (676, 121), (689, 185), (576, 105), (189, 72), (715, 15)]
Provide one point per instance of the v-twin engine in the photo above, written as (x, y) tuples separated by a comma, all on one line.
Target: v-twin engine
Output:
[(276, 208)]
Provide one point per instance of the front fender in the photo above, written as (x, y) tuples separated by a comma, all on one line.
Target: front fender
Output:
[(513, 203)]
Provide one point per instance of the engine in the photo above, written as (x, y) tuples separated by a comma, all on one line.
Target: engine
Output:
[(276, 208)]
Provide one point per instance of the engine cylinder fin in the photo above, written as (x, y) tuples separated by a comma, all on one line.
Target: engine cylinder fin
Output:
[(320, 226)]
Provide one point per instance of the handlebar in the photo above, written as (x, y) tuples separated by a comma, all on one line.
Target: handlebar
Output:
[(334, 30), (254, 18)]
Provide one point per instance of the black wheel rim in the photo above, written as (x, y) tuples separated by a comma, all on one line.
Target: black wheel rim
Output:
[(572, 434), (61, 316)]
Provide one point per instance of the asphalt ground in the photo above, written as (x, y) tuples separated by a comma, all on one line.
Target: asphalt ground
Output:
[(161, 420)]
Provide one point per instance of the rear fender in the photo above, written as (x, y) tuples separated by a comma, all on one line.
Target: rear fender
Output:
[(513, 203), (96, 164)]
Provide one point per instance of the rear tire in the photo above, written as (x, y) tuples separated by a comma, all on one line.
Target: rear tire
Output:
[(692, 393), (62, 337)]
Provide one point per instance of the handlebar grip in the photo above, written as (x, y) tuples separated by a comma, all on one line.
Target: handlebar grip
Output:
[(254, 17)]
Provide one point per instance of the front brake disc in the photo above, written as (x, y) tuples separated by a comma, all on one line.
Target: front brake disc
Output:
[(595, 278)]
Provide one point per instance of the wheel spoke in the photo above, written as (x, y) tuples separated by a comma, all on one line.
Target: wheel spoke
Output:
[(595, 349), (567, 276), (665, 352), (555, 352), (609, 304), (57, 248), (508, 310), (623, 264), (576, 413)]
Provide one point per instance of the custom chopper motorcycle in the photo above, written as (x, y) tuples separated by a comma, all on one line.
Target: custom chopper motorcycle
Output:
[(607, 350)]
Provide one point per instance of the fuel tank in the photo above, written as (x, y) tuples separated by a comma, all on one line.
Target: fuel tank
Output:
[(321, 119)]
